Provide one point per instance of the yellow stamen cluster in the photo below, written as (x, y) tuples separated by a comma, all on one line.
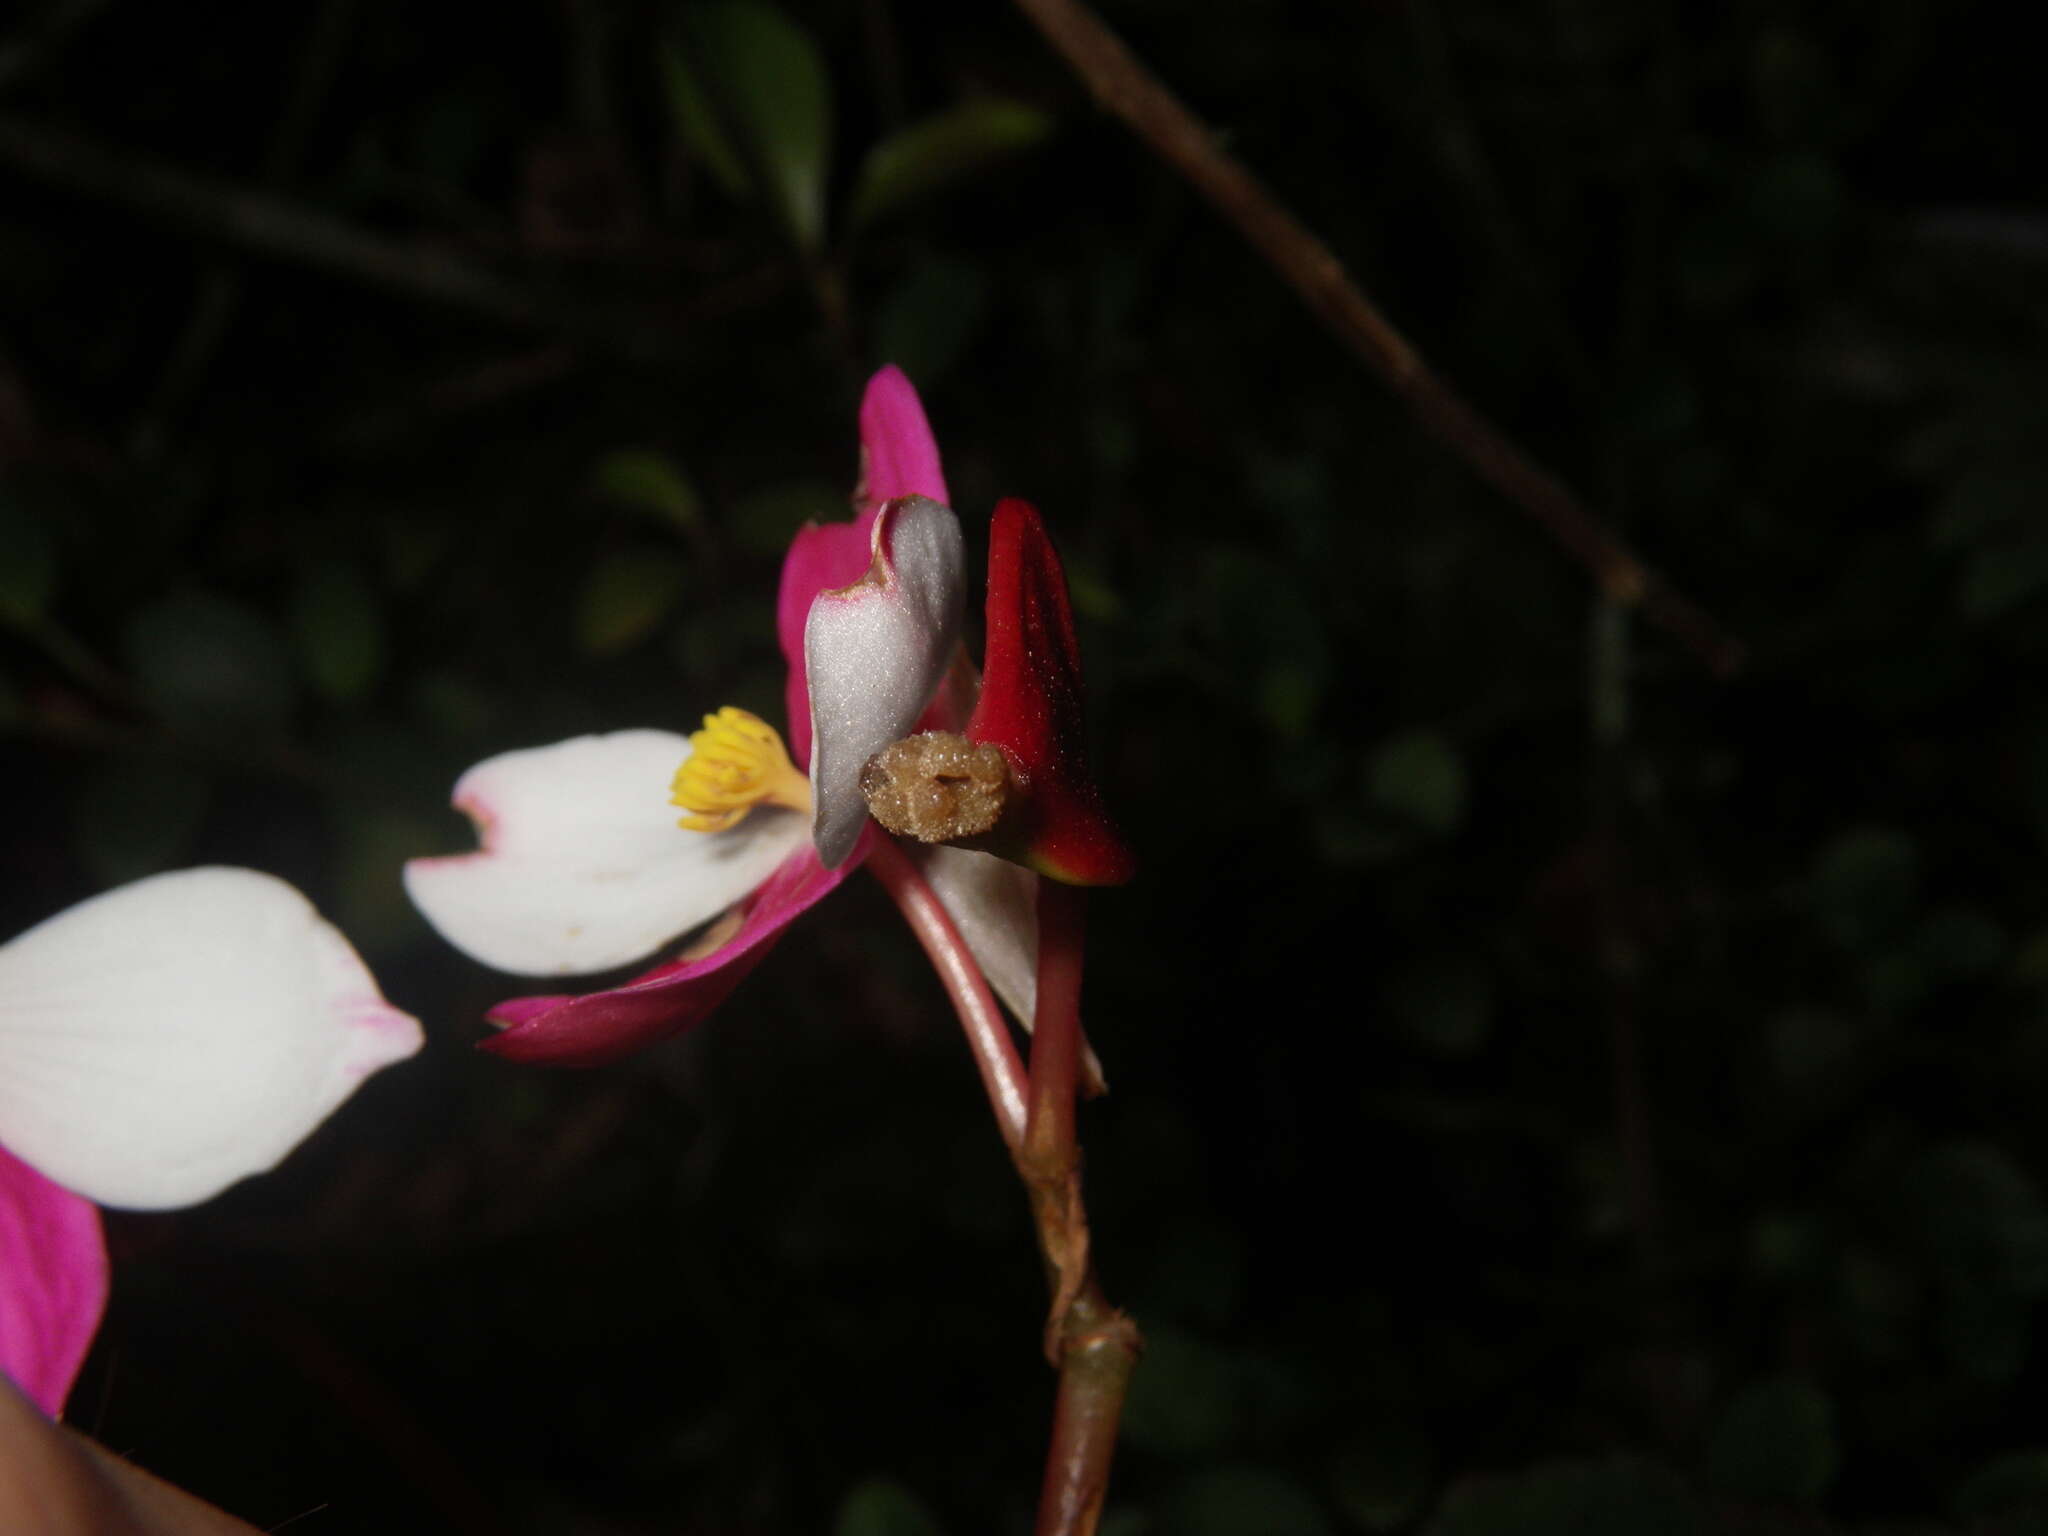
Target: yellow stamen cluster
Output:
[(736, 763)]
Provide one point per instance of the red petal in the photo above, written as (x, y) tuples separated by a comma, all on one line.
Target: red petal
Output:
[(1030, 705)]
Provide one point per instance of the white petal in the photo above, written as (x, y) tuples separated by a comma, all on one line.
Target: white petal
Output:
[(994, 904), (165, 1039), (875, 652), (583, 867)]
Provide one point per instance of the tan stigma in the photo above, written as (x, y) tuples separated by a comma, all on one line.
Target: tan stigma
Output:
[(937, 787)]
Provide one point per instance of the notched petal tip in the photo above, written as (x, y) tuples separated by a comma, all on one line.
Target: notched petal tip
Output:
[(582, 868), (1031, 707), (875, 653)]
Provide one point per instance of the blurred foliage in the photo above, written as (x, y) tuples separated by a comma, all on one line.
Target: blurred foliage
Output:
[(1518, 1127)]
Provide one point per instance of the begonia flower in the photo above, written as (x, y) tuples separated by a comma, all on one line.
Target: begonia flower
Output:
[(583, 865), (1014, 779), (159, 1042)]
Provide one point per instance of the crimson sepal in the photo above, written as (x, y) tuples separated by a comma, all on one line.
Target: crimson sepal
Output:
[(1030, 706)]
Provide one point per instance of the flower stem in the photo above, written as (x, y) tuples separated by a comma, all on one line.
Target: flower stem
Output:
[(988, 1036), (1094, 1345), (1056, 1031), (1101, 1345)]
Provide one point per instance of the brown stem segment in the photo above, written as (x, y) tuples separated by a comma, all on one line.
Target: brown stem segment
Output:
[(1126, 87), (988, 1036), (1094, 1346), (1056, 1031), (1101, 1345)]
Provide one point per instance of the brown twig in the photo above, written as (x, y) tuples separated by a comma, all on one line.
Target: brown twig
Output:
[(1126, 87)]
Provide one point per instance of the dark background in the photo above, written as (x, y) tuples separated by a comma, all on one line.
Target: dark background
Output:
[(1555, 1089)]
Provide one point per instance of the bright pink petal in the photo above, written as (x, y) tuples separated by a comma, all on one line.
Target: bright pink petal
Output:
[(603, 1026), (53, 1282), (898, 457)]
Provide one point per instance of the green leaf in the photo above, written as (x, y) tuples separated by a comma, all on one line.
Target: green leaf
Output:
[(1775, 1443), (1419, 777), (339, 630), (1198, 1277), (1863, 885), (1982, 1218), (28, 564), (623, 598), (650, 481), (698, 123), (2005, 1491), (1621, 1496), (1985, 502), (369, 886), (450, 704), (1184, 1401), (1797, 197), (922, 160), (134, 818), (931, 315), (2001, 577), (751, 96), (207, 664), (1242, 1501), (1443, 1005), (881, 1507), (1810, 1047), (766, 521), (1985, 1333), (1382, 1473), (411, 546)]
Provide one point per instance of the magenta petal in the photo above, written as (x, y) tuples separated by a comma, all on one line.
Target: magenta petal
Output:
[(53, 1282), (602, 1026), (898, 454)]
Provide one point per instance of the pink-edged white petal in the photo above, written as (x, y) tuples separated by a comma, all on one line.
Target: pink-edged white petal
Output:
[(875, 652), (53, 1282), (165, 1039), (599, 1027), (582, 867)]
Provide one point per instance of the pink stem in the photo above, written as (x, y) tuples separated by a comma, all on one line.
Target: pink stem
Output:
[(988, 1036)]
